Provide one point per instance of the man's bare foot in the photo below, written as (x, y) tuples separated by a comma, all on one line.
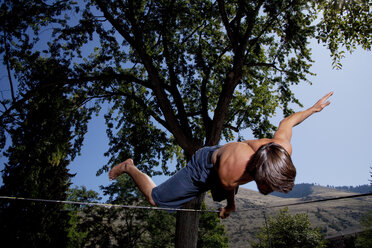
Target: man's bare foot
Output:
[(119, 169)]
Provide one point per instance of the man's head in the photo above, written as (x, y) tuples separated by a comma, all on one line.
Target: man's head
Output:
[(272, 169)]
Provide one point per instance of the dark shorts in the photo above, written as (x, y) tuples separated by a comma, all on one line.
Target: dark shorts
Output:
[(191, 181)]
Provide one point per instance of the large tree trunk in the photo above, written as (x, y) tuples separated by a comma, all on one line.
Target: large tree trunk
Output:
[(188, 224)]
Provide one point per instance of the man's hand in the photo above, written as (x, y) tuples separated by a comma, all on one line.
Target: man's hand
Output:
[(225, 212), (322, 103)]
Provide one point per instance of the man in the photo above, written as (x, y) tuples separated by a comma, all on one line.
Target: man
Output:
[(222, 169)]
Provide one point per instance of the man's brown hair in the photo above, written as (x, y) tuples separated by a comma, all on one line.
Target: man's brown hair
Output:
[(272, 168)]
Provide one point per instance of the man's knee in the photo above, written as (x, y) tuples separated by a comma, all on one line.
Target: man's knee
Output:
[(151, 201)]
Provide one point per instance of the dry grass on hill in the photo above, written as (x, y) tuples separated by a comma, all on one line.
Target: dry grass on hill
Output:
[(333, 217)]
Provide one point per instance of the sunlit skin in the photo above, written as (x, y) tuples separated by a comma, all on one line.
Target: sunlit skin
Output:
[(231, 160)]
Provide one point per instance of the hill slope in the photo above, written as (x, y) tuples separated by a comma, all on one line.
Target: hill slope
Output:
[(333, 217), (305, 189)]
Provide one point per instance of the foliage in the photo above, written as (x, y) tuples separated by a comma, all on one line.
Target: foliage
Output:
[(211, 232), (166, 67), (344, 26), (120, 227), (75, 236), (363, 189), (42, 143), (286, 230), (364, 239)]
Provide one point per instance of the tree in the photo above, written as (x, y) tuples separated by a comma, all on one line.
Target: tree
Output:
[(119, 227), (286, 230), (211, 232), (178, 74), (364, 239), (42, 144), (76, 237)]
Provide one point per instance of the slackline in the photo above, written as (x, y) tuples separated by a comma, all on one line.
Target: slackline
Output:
[(322, 200), (106, 205), (313, 201)]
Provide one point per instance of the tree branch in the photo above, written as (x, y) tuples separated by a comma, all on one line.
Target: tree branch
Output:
[(251, 17), (112, 76), (182, 137), (203, 90), (115, 23), (142, 103), (235, 129), (272, 65), (6, 58), (182, 115), (226, 23)]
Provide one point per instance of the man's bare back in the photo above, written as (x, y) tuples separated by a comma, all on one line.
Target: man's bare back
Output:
[(231, 161)]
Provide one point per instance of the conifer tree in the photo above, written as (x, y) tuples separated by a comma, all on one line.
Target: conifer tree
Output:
[(42, 145)]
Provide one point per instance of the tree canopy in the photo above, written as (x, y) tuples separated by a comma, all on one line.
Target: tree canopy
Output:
[(184, 73)]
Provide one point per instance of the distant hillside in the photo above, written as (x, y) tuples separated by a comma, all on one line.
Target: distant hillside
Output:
[(305, 189), (362, 189), (333, 217), (298, 191)]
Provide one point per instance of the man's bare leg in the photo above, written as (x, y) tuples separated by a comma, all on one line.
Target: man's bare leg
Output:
[(144, 182)]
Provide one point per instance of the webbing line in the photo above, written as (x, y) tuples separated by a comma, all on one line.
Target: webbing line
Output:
[(106, 205), (309, 202), (321, 200)]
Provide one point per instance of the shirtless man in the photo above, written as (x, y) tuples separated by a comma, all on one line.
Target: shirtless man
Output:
[(222, 169)]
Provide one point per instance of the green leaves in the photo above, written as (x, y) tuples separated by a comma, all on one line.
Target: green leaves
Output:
[(364, 239), (211, 232), (119, 227), (45, 133), (286, 230), (187, 65), (345, 25)]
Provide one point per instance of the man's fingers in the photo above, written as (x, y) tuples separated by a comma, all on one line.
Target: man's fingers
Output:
[(322, 103), (224, 216), (326, 104), (327, 96), (223, 213)]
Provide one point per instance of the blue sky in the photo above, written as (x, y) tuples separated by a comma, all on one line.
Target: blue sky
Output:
[(330, 148)]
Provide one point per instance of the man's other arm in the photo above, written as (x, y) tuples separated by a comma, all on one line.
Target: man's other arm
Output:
[(230, 206)]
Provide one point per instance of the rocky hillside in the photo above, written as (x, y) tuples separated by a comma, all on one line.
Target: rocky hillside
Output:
[(333, 217)]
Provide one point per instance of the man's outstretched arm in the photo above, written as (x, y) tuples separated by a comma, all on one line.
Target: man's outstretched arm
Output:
[(284, 133)]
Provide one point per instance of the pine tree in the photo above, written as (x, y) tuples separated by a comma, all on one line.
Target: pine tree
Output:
[(41, 148)]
